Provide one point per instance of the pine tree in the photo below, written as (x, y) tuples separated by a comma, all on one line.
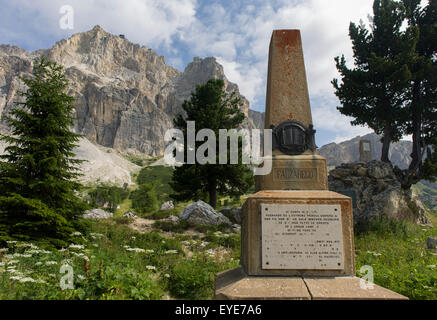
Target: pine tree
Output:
[(422, 93), (393, 87), (374, 91), (212, 108), (38, 174)]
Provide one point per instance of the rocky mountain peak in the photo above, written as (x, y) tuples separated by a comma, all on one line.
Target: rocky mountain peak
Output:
[(126, 96)]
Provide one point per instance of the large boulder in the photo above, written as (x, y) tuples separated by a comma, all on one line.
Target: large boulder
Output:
[(97, 214), (167, 206), (201, 213), (234, 214), (378, 192)]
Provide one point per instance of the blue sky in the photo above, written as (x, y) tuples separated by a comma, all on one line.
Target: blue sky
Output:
[(236, 32)]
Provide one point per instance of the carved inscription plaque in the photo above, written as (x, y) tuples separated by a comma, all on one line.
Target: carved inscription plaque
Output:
[(295, 174), (301, 237)]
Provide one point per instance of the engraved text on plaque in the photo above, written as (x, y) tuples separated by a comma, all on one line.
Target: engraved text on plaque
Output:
[(302, 237)]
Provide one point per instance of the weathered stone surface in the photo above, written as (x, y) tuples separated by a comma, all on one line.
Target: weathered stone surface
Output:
[(234, 285), (167, 206), (431, 243), (347, 288), (365, 151), (234, 214), (97, 214), (126, 95), (378, 192), (201, 213), (300, 172), (251, 230), (287, 89), (129, 215)]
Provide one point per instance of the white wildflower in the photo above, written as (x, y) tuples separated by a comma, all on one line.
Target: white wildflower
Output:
[(171, 252), (2, 264), (78, 254), (41, 281), (80, 277), (50, 263), (76, 234), (39, 263), (15, 278), (136, 249), (150, 251), (167, 275), (4, 249), (76, 246), (376, 254), (95, 245), (133, 237), (27, 279), (432, 266), (150, 267), (11, 242), (13, 262)]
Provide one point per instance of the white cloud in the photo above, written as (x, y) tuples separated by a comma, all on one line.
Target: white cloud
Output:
[(238, 38), (153, 22)]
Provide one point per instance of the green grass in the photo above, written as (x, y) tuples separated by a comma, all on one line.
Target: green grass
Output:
[(397, 253), (161, 177), (114, 262), (428, 195)]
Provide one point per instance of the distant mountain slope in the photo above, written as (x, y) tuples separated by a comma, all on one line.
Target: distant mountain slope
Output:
[(126, 95), (349, 151)]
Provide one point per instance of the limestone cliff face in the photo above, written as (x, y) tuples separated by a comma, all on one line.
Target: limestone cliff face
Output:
[(349, 151), (126, 95)]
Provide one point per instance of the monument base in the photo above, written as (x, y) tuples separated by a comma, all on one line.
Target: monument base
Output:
[(300, 234), (235, 284), (300, 172)]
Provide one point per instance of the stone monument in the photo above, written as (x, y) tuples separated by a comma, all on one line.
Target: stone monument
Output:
[(297, 237), (365, 151)]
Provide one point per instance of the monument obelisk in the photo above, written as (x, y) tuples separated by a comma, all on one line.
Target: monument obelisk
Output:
[(296, 236), (295, 163)]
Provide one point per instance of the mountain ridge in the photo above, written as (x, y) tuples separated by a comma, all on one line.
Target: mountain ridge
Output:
[(126, 96)]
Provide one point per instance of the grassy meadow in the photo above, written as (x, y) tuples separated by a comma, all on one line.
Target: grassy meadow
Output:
[(110, 260)]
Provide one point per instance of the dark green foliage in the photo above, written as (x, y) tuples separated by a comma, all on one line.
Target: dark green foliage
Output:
[(105, 194), (144, 199), (373, 92), (393, 87), (192, 279), (210, 107), (160, 176), (38, 172)]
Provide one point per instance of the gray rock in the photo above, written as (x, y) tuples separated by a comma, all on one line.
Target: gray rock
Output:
[(173, 219), (431, 243), (201, 213), (167, 206), (234, 214), (126, 96), (129, 215), (378, 192), (97, 214)]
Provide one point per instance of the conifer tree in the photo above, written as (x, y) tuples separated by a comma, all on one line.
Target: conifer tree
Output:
[(210, 107), (393, 87), (38, 172), (375, 90)]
